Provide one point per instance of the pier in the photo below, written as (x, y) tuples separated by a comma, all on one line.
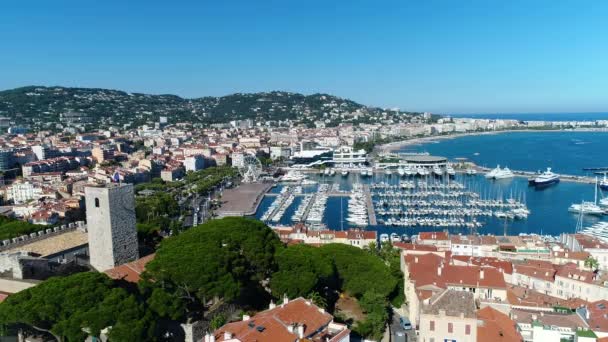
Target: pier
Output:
[(528, 174), (371, 213)]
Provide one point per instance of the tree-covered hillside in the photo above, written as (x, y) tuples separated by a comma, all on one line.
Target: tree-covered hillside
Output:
[(40, 107)]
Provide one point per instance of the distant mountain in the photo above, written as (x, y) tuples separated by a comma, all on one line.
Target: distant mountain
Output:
[(40, 107)]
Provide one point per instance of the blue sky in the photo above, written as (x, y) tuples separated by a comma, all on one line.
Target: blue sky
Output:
[(447, 56)]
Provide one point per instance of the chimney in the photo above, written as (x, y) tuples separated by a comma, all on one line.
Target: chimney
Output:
[(481, 274), (272, 305), (301, 331), (415, 260), (246, 318), (290, 328), (439, 271), (321, 310), (566, 255), (227, 335), (285, 299)]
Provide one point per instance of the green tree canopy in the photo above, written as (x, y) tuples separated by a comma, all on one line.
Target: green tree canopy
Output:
[(220, 258), (302, 269), (63, 306)]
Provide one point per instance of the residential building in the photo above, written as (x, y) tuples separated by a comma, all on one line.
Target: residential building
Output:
[(448, 316), (295, 320)]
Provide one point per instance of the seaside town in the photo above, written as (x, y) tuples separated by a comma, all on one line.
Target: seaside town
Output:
[(129, 204)]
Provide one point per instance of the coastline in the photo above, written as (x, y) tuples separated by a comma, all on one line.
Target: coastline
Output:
[(390, 147)]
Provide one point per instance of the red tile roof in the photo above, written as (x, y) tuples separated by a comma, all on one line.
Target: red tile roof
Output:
[(430, 269), (275, 322), (414, 247), (433, 236), (131, 271), (506, 266), (598, 315), (495, 326)]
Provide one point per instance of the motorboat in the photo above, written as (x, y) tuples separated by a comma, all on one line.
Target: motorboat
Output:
[(471, 172), (388, 172), (384, 238), (401, 171), (395, 237), (408, 171), (344, 173), (546, 178), (450, 170), (437, 170)]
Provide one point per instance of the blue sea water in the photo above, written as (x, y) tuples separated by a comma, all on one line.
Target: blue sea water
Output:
[(566, 152)]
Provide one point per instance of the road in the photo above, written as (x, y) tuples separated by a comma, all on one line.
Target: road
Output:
[(396, 326)]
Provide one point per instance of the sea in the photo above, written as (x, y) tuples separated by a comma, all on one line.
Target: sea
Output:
[(564, 152), (537, 116)]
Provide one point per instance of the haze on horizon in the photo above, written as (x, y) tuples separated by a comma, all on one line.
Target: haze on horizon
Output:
[(441, 56)]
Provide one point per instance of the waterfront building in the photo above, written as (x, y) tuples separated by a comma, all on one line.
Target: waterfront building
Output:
[(347, 155), (301, 234), (110, 212)]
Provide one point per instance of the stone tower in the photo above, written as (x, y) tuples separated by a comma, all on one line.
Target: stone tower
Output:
[(111, 225)]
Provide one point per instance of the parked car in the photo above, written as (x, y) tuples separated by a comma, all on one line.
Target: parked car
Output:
[(405, 323)]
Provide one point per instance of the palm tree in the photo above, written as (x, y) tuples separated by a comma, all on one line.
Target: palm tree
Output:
[(592, 263), (318, 300)]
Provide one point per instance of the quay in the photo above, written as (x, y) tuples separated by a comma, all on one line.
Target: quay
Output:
[(329, 193), (242, 200), (371, 213), (528, 174)]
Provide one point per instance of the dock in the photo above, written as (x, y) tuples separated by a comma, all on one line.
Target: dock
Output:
[(528, 174), (329, 193), (371, 213)]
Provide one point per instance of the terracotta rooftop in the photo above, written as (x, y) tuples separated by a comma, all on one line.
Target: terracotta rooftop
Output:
[(493, 325), (414, 247), (453, 303), (598, 315), (572, 321), (433, 236), (131, 271), (518, 295), (506, 266), (273, 324)]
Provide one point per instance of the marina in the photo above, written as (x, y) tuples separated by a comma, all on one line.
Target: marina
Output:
[(420, 192)]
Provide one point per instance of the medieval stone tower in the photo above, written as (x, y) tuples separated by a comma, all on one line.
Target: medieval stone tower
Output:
[(111, 225)]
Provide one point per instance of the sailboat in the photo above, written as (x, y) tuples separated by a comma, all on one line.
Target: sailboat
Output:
[(587, 207)]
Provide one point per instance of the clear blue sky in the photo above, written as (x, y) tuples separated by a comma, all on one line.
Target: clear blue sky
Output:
[(447, 56)]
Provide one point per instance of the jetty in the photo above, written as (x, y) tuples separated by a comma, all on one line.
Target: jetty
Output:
[(528, 174), (371, 213)]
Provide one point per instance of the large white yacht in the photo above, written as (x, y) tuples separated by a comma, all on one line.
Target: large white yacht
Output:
[(504, 174), (493, 172), (546, 178)]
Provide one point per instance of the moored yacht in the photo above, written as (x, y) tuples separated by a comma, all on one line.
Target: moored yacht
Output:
[(546, 178), (344, 173), (493, 173), (603, 184), (401, 171), (504, 174)]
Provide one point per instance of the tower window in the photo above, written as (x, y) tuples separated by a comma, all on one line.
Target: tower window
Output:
[(96, 202)]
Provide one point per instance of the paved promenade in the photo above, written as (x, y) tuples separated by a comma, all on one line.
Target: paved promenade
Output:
[(242, 200)]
